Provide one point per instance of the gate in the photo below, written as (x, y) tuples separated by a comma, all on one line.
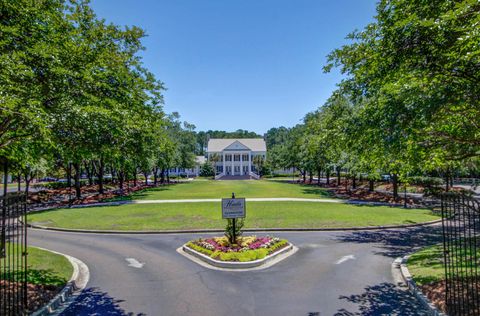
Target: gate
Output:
[(461, 240), (13, 255)]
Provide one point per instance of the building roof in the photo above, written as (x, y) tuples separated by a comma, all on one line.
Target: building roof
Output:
[(220, 144)]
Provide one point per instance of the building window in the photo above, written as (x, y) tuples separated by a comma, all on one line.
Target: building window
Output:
[(236, 157), (245, 157), (228, 157)]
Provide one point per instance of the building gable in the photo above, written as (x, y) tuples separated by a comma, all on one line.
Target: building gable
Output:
[(236, 145)]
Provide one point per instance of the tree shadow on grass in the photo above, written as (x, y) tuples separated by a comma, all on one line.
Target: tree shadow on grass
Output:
[(35, 276), (383, 299), (395, 243), (93, 302)]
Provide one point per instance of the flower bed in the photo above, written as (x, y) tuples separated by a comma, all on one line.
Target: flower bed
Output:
[(248, 248)]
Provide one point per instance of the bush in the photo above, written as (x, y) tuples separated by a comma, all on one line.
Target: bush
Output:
[(59, 185), (238, 229), (206, 170), (242, 256), (426, 181)]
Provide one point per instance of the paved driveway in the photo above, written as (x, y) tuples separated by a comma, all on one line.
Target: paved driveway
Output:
[(333, 273)]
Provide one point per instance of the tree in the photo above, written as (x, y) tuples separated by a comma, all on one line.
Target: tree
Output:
[(417, 69)]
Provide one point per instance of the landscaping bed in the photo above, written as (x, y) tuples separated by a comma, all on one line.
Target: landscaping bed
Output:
[(249, 248), (47, 274), (427, 269)]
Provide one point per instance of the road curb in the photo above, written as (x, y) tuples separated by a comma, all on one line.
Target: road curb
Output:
[(402, 274), (67, 295), (197, 231), (261, 264)]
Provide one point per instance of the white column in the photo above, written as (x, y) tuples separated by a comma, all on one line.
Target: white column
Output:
[(233, 166), (223, 170), (241, 164), (249, 162)]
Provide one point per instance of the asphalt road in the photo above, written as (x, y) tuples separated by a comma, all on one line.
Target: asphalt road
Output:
[(333, 273)]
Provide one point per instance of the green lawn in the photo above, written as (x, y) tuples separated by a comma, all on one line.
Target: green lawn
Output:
[(44, 267), (203, 189), (426, 265), (208, 215)]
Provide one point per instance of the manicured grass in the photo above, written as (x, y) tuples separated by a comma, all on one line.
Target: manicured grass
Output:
[(204, 189), (44, 267), (208, 215), (426, 265)]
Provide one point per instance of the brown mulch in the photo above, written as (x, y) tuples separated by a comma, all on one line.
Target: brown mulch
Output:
[(38, 295), (435, 292), (60, 197), (362, 194)]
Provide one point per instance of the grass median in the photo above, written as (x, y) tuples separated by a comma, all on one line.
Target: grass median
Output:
[(207, 215)]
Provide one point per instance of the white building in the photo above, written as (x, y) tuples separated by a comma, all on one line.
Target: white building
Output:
[(189, 172), (235, 156)]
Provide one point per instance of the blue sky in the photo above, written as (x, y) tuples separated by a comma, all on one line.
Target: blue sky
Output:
[(241, 64)]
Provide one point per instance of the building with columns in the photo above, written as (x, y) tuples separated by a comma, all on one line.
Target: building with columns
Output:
[(235, 156)]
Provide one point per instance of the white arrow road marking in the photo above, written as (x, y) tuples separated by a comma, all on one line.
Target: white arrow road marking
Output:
[(345, 258), (132, 262)]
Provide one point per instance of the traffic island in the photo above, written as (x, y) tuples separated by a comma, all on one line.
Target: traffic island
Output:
[(249, 252)]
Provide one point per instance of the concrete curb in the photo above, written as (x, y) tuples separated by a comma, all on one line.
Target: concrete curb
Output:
[(67, 295), (261, 264), (196, 231), (402, 274)]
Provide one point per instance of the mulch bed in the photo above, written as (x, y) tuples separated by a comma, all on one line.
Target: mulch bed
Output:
[(435, 292), (38, 295), (90, 195)]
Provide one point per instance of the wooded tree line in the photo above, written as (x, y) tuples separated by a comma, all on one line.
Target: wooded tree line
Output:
[(410, 103), (75, 95)]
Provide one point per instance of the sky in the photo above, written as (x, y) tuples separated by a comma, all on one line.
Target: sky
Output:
[(241, 64)]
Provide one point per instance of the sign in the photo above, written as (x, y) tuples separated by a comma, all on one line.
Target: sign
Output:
[(233, 208)]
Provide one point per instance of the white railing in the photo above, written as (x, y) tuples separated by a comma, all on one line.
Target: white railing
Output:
[(218, 176), (254, 175)]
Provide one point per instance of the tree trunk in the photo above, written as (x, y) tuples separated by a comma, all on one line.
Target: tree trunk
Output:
[(395, 186), (145, 174), (304, 174), (120, 175), (338, 176), (310, 176), (155, 176), (19, 180), (5, 189), (354, 182), (101, 168), (78, 192), (328, 176), (162, 176), (371, 184), (319, 175), (89, 172), (69, 175), (168, 176)]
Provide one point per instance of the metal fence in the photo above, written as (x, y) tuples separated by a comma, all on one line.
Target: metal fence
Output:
[(13, 255), (461, 239)]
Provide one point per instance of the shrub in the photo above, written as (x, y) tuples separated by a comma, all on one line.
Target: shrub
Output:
[(206, 170), (238, 229)]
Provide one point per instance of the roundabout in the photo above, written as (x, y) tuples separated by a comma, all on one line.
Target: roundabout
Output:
[(332, 273)]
